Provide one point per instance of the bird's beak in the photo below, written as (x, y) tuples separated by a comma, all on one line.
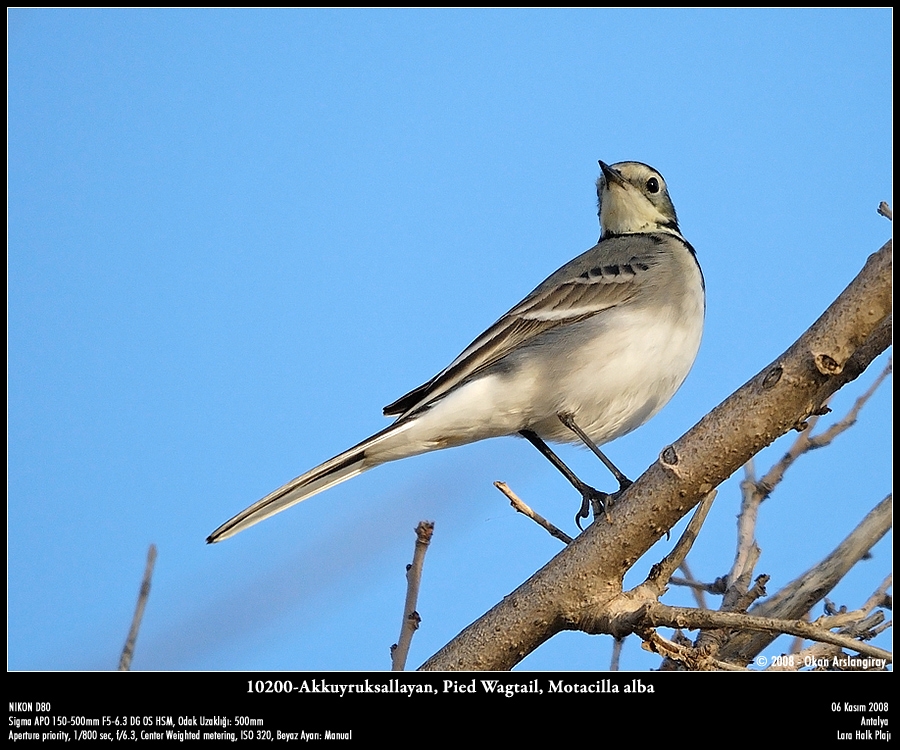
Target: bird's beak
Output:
[(611, 175)]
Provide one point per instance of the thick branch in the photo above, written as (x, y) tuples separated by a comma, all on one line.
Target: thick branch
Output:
[(576, 586)]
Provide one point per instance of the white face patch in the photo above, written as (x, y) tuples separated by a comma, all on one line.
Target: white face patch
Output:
[(626, 216), (633, 198)]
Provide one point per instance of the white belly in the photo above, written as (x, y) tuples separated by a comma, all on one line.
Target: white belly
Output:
[(644, 360)]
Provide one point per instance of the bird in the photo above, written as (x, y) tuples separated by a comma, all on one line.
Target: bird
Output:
[(595, 351)]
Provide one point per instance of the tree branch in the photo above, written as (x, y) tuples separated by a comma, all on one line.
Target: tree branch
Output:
[(576, 589), (663, 570), (806, 441), (799, 596), (660, 615), (411, 619), (143, 596), (526, 510)]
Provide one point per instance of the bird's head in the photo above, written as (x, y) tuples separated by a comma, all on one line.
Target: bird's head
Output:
[(632, 197)]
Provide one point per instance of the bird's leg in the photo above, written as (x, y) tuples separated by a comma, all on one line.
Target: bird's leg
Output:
[(624, 482), (591, 499)]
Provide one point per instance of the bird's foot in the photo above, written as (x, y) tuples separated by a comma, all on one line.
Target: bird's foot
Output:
[(592, 502), (598, 503)]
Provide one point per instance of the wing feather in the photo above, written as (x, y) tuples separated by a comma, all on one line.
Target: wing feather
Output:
[(598, 280)]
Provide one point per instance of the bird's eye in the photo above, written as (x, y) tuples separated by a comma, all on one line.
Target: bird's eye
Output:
[(652, 185)]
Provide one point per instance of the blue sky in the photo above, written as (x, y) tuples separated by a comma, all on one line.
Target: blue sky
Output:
[(235, 235)]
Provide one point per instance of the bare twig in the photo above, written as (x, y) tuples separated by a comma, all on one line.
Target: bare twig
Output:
[(698, 588), (738, 596), (128, 650), (677, 655), (798, 597), (747, 550), (663, 570), (806, 441), (662, 615), (850, 619), (411, 619), (717, 587), (525, 510), (826, 437)]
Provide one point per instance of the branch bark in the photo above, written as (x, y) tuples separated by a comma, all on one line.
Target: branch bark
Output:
[(580, 588)]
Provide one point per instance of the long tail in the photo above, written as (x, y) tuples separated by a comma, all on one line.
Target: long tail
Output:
[(339, 469)]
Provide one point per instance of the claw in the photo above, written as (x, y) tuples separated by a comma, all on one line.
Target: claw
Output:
[(592, 502), (583, 511)]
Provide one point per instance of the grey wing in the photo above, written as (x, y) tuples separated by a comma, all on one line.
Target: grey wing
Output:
[(607, 275)]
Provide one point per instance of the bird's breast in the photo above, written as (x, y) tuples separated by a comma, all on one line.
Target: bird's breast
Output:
[(618, 369)]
